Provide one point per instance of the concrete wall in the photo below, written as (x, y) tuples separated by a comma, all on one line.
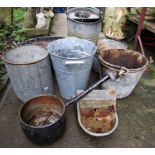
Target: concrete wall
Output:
[(5, 15)]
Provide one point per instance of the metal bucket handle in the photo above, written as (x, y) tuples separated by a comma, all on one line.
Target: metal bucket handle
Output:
[(74, 62), (122, 70)]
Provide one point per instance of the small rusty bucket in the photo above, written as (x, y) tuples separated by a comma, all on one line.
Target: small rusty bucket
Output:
[(125, 68)]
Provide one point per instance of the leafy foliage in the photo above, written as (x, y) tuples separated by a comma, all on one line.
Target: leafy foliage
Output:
[(13, 32), (18, 32), (18, 15), (9, 34)]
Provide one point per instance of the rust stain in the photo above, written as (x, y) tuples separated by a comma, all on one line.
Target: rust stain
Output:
[(112, 92), (98, 119), (42, 110), (123, 58)]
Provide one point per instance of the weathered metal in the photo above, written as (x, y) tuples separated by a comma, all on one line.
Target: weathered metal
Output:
[(139, 29), (84, 23), (106, 44), (82, 94), (97, 114), (29, 70), (125, 68), (36, 108), (72, 60), (40, 41), (34, 116)]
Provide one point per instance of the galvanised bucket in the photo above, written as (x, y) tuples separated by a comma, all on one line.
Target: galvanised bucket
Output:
[(29, 70), (125, 68), (84, 23), (72, 60)]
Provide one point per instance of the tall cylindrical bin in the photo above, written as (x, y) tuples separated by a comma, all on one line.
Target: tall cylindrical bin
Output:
[(29, 70)]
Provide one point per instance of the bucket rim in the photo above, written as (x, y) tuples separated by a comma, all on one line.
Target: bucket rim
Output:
[(67, 58), (118, 68), (86, 23), (41, 38), (38, 96), (11, 63)]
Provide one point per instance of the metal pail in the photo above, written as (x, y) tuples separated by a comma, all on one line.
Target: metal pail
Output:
[(29, 70), (84, 23), (72, 60), (117, 61)]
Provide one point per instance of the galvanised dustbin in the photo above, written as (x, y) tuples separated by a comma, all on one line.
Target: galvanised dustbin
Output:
[(29, 70), (72, 60)]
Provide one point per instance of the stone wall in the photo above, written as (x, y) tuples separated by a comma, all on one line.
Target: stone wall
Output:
[(5, 15)]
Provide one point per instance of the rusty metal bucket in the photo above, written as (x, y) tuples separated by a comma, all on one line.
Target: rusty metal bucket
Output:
[(115, 61)]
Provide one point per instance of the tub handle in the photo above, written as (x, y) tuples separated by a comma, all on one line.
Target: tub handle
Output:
[(123, 71), (74, 62)]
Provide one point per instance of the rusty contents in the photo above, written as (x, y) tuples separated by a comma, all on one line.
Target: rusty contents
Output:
[(98, 120), (42, 110), (123, 58), (44, 118)]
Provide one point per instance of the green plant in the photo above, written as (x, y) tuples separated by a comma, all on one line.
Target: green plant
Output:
[(10, 34), (18, 14), (14, 32), (18, 32), (5, 32)]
